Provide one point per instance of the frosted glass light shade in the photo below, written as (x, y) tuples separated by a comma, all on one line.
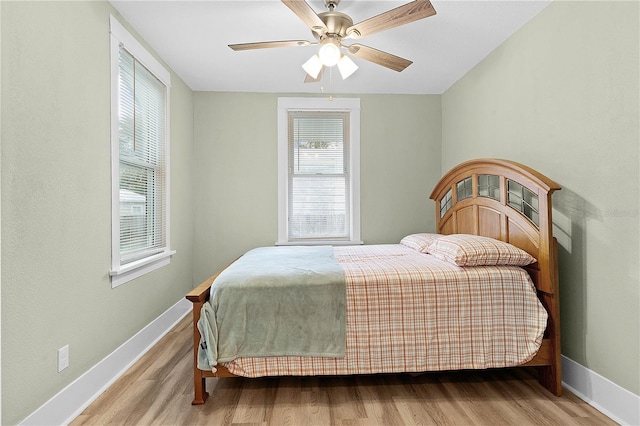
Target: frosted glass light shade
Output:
[(329, 54), (313, 66), (346, 67)]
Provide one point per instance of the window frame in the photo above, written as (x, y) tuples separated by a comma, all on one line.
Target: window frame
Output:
[(121, 273), (350, 105)]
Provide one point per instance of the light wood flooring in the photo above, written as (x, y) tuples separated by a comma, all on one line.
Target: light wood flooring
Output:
[(157, 390)]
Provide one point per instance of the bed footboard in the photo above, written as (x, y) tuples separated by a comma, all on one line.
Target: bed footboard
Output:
[(198, 296)]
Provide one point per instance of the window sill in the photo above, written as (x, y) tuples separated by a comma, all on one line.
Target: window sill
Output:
[(140, 267), (319, 243)]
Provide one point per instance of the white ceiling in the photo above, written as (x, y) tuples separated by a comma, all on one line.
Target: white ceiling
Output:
[(192, 38)]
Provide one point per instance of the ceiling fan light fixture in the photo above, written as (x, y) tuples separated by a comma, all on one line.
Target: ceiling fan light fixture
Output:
[(346, 67), (313, 66), (331, 28), (329, 53)]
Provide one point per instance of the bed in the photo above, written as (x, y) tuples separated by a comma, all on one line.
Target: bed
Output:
[(481, 292)]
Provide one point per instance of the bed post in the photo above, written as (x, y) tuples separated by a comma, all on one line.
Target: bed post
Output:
[(550, 376), (198, 296), (199, 385)]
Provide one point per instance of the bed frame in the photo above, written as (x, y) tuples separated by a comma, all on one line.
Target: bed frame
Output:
[(495, 198)]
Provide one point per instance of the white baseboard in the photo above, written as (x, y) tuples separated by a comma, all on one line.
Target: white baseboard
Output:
[(67, 404), (610, 399)]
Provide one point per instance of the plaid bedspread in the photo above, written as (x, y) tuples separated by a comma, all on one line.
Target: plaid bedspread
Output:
[(410, 312)]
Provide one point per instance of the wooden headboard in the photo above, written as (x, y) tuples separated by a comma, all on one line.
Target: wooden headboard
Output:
[(504, 200)]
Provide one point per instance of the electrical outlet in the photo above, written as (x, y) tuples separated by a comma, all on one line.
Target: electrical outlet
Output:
[(63, 358)]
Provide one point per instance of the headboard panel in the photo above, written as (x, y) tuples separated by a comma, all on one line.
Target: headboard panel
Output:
[(504, 200)]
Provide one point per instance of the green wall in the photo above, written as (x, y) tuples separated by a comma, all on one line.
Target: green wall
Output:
[(56, 203), (236, 171), (561, 96)]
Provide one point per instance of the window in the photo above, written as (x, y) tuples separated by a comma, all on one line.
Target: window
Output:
[(319, 171), (464, 189), (139, 159)]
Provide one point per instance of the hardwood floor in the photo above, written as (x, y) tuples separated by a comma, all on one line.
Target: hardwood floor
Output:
[(157, 390)]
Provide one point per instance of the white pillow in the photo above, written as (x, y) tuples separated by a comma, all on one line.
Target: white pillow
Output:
[(474, 250), (419, 242)]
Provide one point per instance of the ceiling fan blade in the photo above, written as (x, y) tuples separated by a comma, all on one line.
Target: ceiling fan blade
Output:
[(309, 79), (270, 44), (379, 57), (307, 14), (405, 14)]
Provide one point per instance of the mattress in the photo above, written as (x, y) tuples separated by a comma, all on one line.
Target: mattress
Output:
[(410, 312)]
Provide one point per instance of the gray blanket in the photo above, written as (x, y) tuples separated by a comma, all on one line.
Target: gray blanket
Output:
[(275, 301)]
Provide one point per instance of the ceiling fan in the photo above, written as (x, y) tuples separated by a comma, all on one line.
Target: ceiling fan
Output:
[(331, 28)]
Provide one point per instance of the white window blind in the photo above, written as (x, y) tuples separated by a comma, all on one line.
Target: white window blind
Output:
[(318, 187), (142, 160)]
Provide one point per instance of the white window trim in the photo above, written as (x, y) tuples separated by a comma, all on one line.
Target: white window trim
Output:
[(352, 105), (121, 274)]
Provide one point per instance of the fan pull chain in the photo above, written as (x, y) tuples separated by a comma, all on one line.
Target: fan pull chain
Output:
[(330, 83)]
